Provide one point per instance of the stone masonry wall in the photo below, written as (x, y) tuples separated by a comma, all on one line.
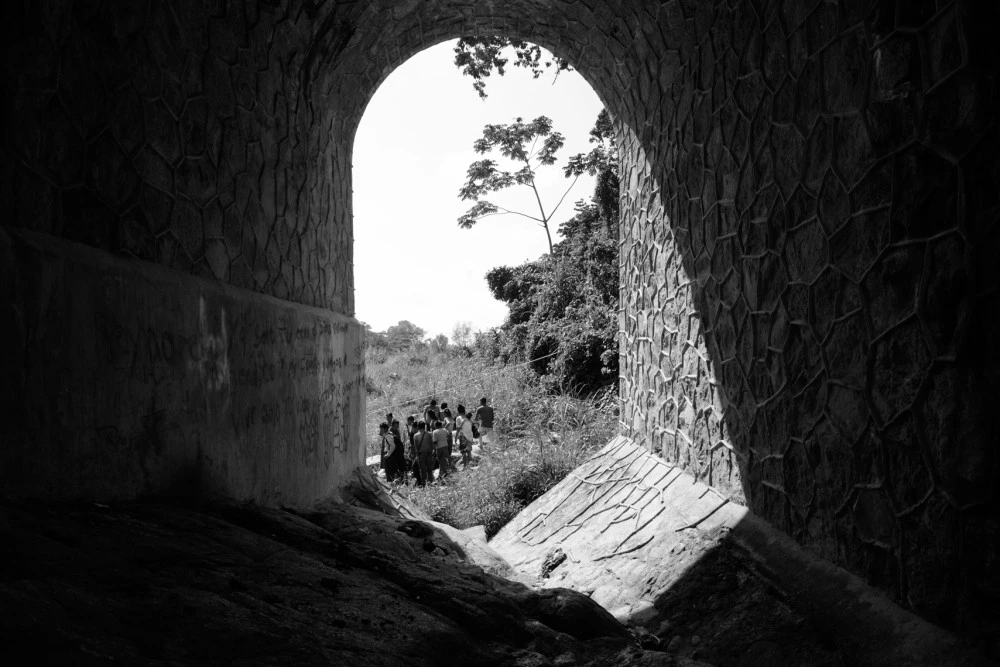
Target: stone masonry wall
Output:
[(808, 244), (124, 379), (808, 282), (177, 133)]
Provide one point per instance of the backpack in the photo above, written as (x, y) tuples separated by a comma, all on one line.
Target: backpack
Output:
[(475, 430)]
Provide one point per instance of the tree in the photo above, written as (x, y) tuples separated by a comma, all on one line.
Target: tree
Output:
[(461, 334), (479, 57), (404, 334), (519, 143), (373, 339), (563, 315), (602, 162), (439, 343)]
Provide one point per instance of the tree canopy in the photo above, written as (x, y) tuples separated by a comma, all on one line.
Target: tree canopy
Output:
[(529, 146), (562, 308), (478, 57), (404, 334)]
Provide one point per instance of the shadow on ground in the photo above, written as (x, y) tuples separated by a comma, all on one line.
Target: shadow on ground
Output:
[(683, 580), (163, 584)]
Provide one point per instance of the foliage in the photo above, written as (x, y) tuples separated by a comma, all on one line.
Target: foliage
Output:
[(405, 387), (374, 340), (461, 335), (562, 309), (403, 335), (601, 158), (439, 343), (601, 162), (555, 436), (540, 437), (478, 57), (565, 307), (529, 146)]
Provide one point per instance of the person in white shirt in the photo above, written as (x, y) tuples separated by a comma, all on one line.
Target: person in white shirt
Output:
[(464, 426)]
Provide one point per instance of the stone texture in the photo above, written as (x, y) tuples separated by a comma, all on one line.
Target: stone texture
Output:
[(169, 384), (849, 167), (829, 164)]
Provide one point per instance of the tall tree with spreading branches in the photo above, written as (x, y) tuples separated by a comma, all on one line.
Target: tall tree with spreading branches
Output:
[(562, 314), (531, 146)]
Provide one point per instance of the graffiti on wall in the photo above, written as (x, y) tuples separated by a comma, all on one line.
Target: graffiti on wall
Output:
[(253, 382), (210, 360)]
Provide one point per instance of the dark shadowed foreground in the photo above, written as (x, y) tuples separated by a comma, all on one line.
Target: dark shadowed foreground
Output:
[(157, 584), (228, 584)]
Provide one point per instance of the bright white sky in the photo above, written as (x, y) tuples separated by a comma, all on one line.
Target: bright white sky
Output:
[(411, 259)]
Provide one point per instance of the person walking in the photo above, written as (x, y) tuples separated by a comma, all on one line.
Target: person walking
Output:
[(385, 448), (449, 425), (484, 415), (464, 426), (397, 457), (440, 436), (423, 443), (411, 430)]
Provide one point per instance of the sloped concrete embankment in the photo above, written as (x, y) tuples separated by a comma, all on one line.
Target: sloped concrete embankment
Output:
[(705, 577)]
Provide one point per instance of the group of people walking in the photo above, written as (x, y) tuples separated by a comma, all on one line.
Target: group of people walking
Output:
[(429, 438)]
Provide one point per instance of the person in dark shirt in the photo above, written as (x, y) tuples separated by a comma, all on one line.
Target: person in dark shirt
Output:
[(385, 450), (423, 443), (411, 430), (484, 415), (397, 458)]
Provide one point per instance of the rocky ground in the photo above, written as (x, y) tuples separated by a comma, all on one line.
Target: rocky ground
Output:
[(366, 582), (222, 584)]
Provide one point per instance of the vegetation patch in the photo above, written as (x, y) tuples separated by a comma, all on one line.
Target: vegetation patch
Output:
[(539, 438)]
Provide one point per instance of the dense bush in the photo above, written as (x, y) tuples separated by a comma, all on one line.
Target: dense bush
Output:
[(563, 308)]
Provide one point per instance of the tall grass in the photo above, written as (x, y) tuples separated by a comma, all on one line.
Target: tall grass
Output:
[(538, 438)]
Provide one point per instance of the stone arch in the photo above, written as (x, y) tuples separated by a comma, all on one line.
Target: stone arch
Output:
[(808, 253), (575, 34)]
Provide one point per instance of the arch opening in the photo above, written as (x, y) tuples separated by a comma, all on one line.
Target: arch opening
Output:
[(410, 157)]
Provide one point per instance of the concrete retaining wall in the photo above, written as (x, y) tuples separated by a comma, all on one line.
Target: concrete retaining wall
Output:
[(124, 378)]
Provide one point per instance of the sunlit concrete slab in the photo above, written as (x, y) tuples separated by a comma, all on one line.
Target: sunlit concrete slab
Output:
[(631, 530)]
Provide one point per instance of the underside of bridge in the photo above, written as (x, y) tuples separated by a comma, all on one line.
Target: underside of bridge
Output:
[(810, 194)]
